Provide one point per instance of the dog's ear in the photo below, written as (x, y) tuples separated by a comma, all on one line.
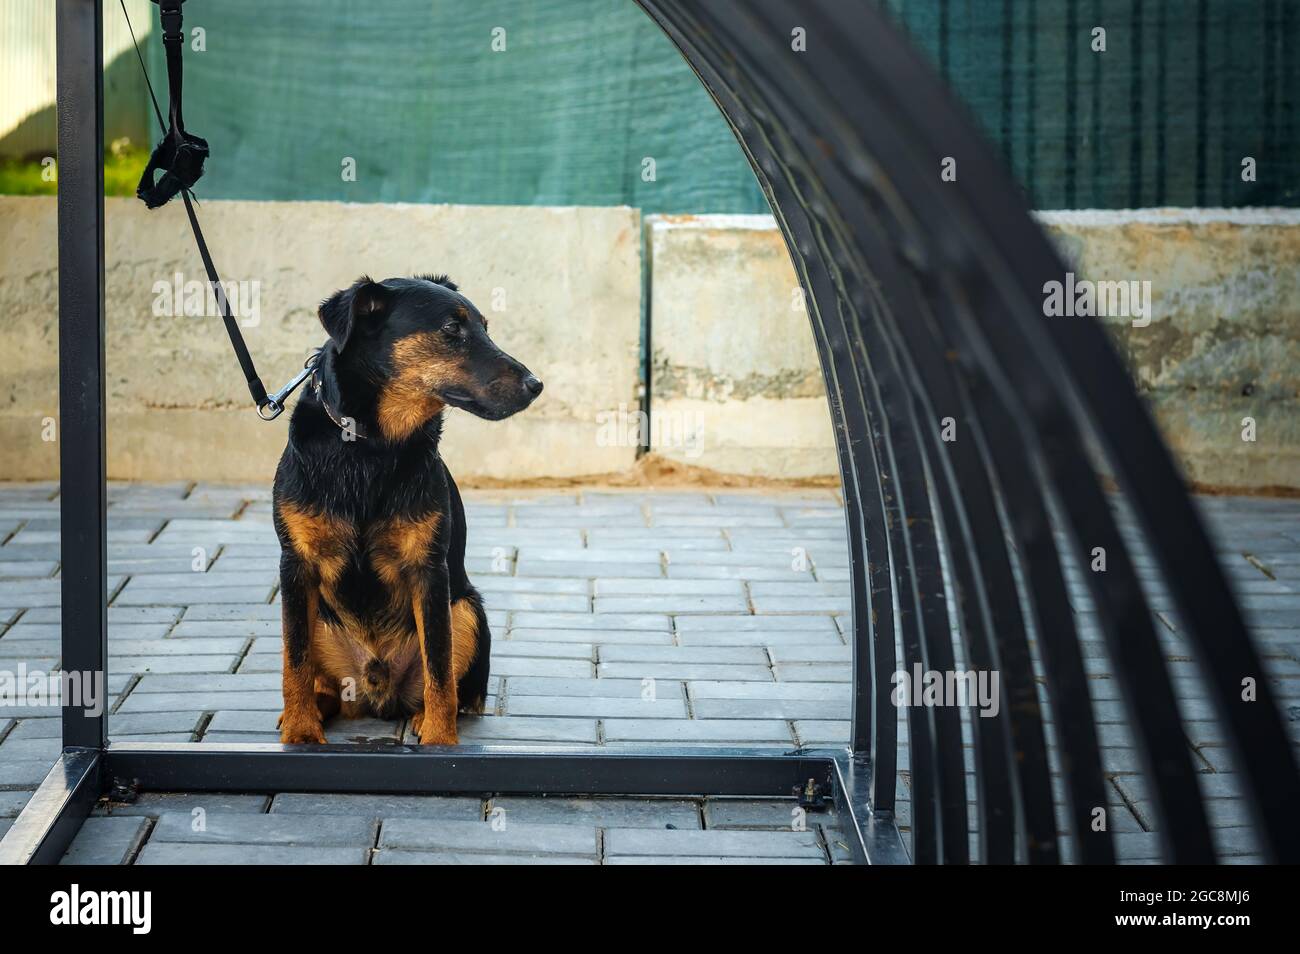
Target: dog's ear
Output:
[(442, 280), (340, 313)]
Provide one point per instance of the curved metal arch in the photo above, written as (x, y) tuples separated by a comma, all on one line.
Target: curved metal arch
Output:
[(923, 297)]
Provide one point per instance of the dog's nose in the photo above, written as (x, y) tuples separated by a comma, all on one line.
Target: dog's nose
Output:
[(533, 385)]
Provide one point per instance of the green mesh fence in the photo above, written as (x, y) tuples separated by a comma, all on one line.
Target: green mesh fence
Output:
[(586, 94)]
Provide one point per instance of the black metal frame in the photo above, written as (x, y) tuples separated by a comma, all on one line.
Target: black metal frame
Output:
[(925, 298)]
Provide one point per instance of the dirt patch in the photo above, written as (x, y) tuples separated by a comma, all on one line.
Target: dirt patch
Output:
[(653, 471)]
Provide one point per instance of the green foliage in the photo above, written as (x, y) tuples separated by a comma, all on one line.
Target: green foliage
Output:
[(123, 164)]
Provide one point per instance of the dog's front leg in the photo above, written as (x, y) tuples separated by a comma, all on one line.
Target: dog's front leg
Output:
[(300, 721), (436, 723)]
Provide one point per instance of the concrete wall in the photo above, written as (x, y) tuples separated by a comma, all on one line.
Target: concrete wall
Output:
[(735, 383), (1223, 343), (733, 353), (561, 288)]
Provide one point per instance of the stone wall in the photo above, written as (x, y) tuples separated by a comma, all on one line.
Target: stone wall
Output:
[(561, 288), (735, 385)]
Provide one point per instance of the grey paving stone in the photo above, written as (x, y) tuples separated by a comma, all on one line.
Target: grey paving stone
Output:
[(27, 569), (744, 623), (683, 670), (172, 664), (745, 572), (677, 605), (777, 814), (227, 628), (248, 829), (521, 584), (171, 701), (813, 672), (537, 602), (603, 637), (33, 750), (136, 593), (685, 538), (48, 726), (676, 587), (379, 806), (25, 774), (805, 588), (45, 647), (11, 803), (105, 841), (515, 839), (793, 654), (556, 668), (538, 649), (196, 612), (710, 860), (756, 844), (596, 707), (261, 662), (768, 709), (176, 853), (216, 684), (587, 688), (800, 604), (122, 725), (440, 858), (527, 729), (176, 647), (769, 558), (153, 804), (592, 559), (822, 732), (533, 567), (698, 730), (737, 655), (730, 689), (656, 621), (242, 738), (598, 812)]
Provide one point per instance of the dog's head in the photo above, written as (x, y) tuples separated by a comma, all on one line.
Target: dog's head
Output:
[(422, 345)]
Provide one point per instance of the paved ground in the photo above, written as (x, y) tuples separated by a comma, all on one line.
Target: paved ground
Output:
[(619, 619)]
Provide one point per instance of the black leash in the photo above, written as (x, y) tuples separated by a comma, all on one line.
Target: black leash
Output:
[(180, 156)]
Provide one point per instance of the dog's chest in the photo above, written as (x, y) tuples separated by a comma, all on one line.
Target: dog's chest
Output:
[(368, 572)]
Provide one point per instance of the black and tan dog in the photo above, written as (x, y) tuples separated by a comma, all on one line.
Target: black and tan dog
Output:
[(379, 615)]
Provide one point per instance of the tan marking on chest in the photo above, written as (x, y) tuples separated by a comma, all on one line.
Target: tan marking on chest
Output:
[(408, 401), (321, 540), (400, 548)]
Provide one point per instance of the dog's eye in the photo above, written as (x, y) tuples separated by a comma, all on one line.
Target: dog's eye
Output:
[(454, 329)]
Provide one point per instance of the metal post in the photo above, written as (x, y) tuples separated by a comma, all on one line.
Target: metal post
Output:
[(83, 498)]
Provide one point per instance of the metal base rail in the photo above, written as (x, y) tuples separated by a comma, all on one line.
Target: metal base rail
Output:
[(818, 778)]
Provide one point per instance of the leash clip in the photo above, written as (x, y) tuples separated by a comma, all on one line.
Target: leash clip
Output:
[(274, 404)]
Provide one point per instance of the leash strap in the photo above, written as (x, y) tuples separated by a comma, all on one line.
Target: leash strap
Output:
[(179, 156)]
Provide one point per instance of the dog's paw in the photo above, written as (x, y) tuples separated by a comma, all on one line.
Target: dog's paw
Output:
[(435, 737), (430, 733), (301, 733)]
